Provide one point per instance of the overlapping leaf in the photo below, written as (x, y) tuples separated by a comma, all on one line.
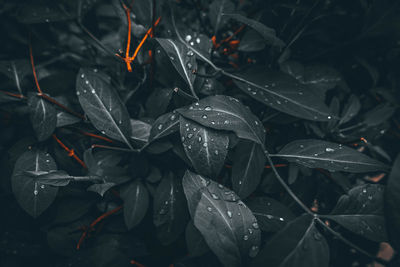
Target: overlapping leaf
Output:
[(267, 33), (351, 109), (166, 124), (206, 148), (136, 202), (217, 8), (248, 165), (102, 105), (298, 244), (392, 208), (284, 93), (322, 154), (181, 58), (361, 211), (33, 196), (43, 116), (227, 225), (226, 113)]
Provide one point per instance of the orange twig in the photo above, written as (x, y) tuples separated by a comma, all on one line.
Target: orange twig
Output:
[(144, 38), (136, 263), (230, 37), (34, 70), (97, 136), (71, 152), (93, 224), (13, 95)]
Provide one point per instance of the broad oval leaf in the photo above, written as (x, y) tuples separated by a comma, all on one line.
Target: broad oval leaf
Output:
[(361, 211), (169, 210), (226, 113), (206, 148), (298, 244), (43, 116), (166, 124), (140, 131), (217, 8), (392, 208), (351, 109), (227, 225), (33, 196), (267, 33), (182, 59), (248, 165), (271, 214), (136, 202), (314, 153), (282, 92), (102, 105), (378, 115)]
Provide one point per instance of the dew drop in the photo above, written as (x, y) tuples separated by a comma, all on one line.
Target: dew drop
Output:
[(47, 160), (278, 102), (212, 122), (216, 152), (214, 196), (226, 122), (198, 40), (189, 65), (205, 144), (192, 43), (207, 108), (190, 135), (189, 53), (220, 186), (250, 231), (209, 208), (200, 139), (364, 190), (189, 147), (42, 186), (370, 197), (87, 82), (172, 58), (93, 91), (229, 213), (255, 225), (84, 91), (188, 38), (245, 237), (35, 192), (172, 117), (204, 116), (191, 107), (256, 122), (162, 211), (328, 149), (160, 126), (78, 93), (329, 117), (183, 138), (82, 75), (253, 251), (281, 219)]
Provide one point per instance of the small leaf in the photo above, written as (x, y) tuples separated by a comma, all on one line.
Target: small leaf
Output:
[(140, 131), (271, 215), (226, 113), (392, 208), (248, 165), (136, 202), (33, 196), (16, 70), (101, 189), (206, 148), (298, 244), (227, 225), (267, 33), (181, 58), (103, 106), (166, 124), (351, 109), (361, 211), (170, 210), (43, 116), (251, 42), (217, 8), (322, 154), (284, 93)]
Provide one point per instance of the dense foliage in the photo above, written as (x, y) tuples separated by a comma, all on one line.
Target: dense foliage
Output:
[(200, 133)]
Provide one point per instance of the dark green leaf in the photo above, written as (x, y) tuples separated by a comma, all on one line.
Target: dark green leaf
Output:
[(158, 101), (53, 177), (181, 58), (33, 196), (217, 8), (271, 215), (284, 93), (102, 105), (166, 124), (16, 70), (351, 109), (322, 154), (195, 242), (248, 165), (170, 210), (136, 202), (226, 113), (298, 244), (100, 189), (267, 33), (140, 131), (206, 148), (251, 42), (392, 207), (361, 211), (43, 116), (378, 115), (227, 225)]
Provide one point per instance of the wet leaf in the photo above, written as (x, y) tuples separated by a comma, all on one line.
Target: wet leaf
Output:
[(226, 113), (271, 215), (284, 93), (298, 244), (170, 210), (43, 116), (140, 131), (361, 211), (166, 124), (314, 153), (33, 196), (206, 148), (248, 165), (181, 58), (392, 208), (158, 101), (136, 202), (101, 189), (102, 105), (217, 8), (53, 177), (267, 33), (227, 225)]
